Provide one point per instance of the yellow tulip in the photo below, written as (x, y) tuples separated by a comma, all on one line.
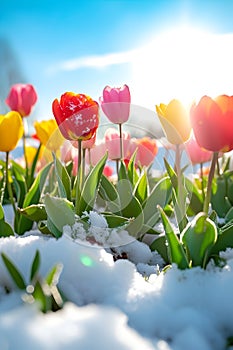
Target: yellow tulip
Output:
[(49, 134), (175, 121), (11, 130)]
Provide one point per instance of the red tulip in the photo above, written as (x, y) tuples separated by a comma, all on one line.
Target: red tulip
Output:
[(22, 98), (212, 121), (115, 104), (76, 115), (196, 153)]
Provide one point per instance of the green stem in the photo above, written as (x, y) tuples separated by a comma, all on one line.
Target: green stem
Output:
[(180, 190), (8, 184), (202, 181), (209, 183), (121, 142), (79, 175), (83, 162), (24, 151)]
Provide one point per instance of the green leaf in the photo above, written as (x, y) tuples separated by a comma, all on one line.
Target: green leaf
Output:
[(23, 224), (14, 272), (172, 174), (34, 193), (63, 179), (43, 228), (90, 187), (52, 277), (60, 212), (141, 188), (39, 295), (35, 266), (199, 237), (34, 212), (133, 210), (132, 172), (53, 229), (160, 195), (19, 183), (122, 174), (160, 245), (224, 239), (219, 200), (5, 229), (196, 200), (115, 220), (109, 194), (176, 251)]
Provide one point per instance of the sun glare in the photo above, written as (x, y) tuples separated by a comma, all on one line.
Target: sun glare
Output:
[(185, 63)]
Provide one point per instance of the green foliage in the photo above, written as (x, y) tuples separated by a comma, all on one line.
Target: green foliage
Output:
[(42, 291)]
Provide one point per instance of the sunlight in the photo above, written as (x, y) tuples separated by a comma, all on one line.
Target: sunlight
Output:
[(185, 63)]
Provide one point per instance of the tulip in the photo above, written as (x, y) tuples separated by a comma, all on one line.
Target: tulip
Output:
[(111, 138), (22, 98), (175, 121), (49, 134), (212, 125), (212, 121), (11, 130), (197, 154), (146, 150), (76, 115), (115, 103)]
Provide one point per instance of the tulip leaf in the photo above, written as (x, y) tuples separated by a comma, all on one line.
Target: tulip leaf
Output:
[(23, 224), (224, 239), (195, 198), (172, 174), (19, 182), (159, 244), (34, 193), (199, 237), (63, 179), (5, 228), (160, 195), (34, 212), (133, 211), (176, 251), (35, 266), (14, 272), (33, 167), (109, 194), (141, 188), (219, 200), (115, 220), (40, 297), (90, 187), (60, 212), (122, 174), (132, 172)]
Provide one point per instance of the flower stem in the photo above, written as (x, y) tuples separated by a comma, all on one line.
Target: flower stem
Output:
[(8, 184), (24, 151), (202, 181), (209, 183), (79, 175), (121, 142), (181, 213)]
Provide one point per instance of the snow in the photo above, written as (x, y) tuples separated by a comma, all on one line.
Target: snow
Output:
[(111, 305)]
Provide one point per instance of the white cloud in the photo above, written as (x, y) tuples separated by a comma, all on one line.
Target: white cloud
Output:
[(94, 61)]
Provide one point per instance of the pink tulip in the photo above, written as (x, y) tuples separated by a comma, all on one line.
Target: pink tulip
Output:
[(196, 153), (115, 104), (112, 139), (97, 152), (22, 98)]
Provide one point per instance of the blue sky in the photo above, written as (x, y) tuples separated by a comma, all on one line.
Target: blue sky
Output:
[(82, 46)]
